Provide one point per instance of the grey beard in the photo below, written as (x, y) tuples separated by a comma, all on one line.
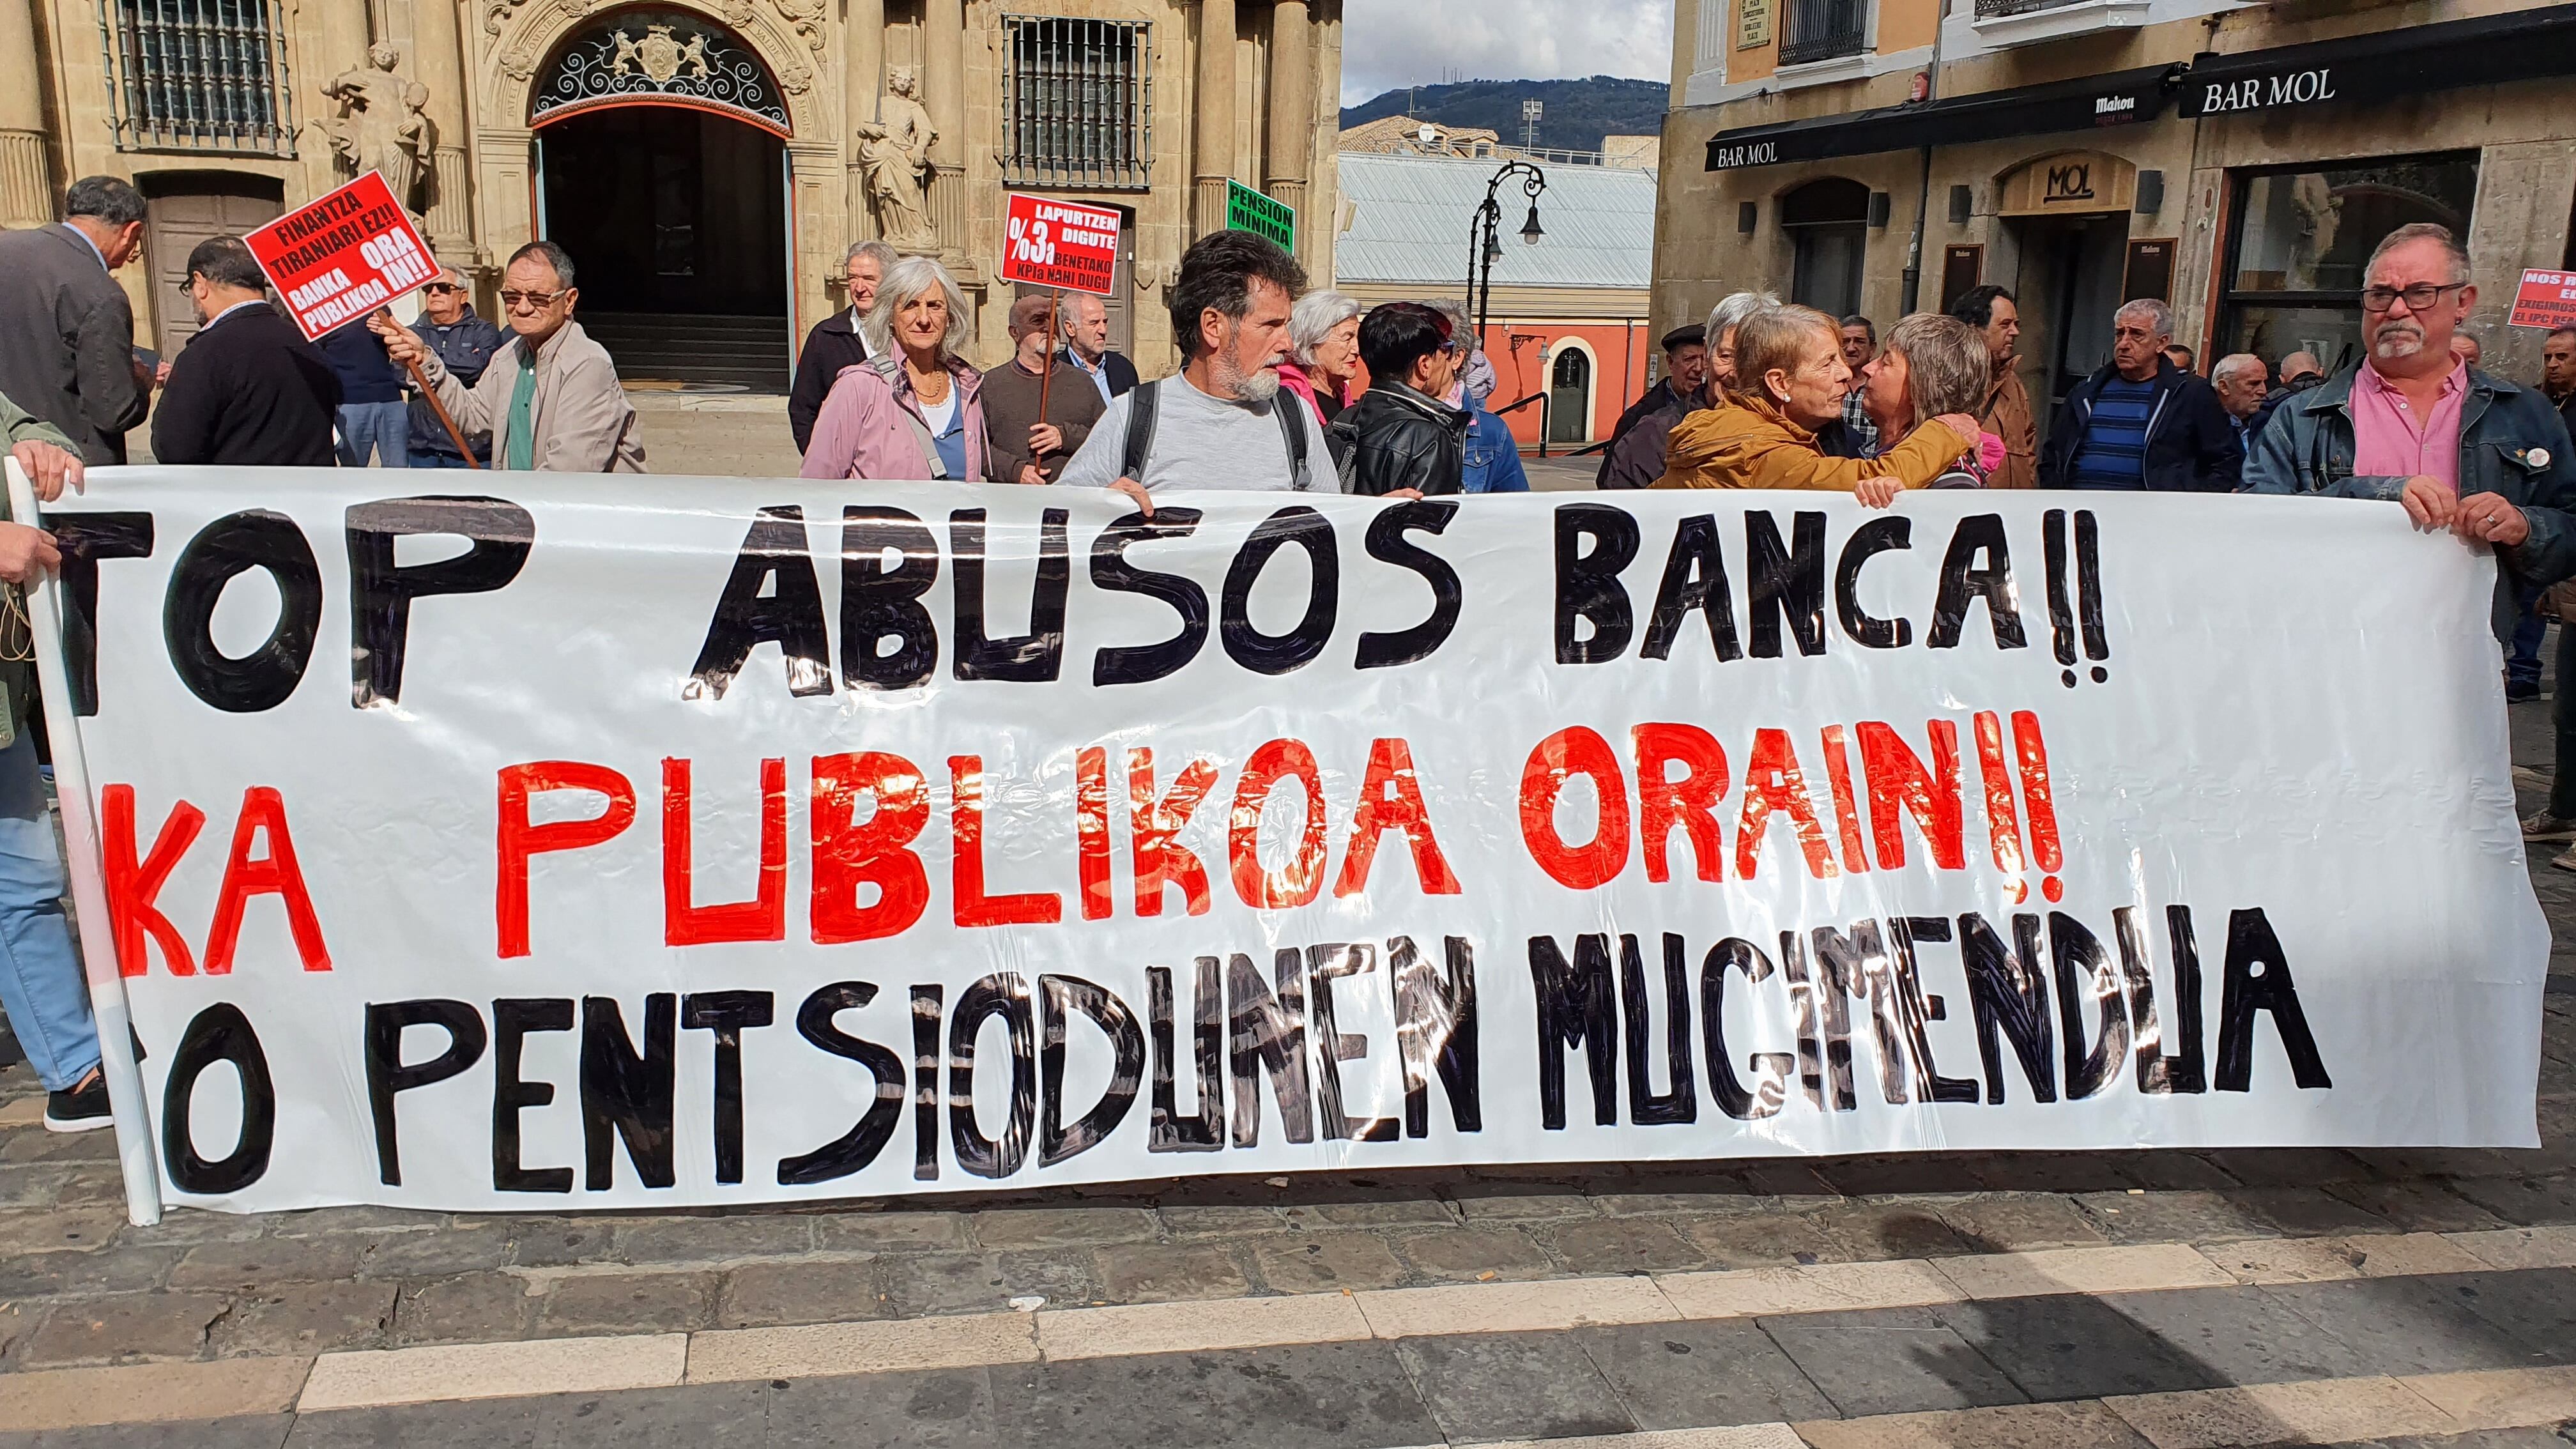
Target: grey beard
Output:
[(2397, 342), (1258, 387)]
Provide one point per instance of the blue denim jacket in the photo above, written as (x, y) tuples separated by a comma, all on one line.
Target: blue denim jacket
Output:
[(1493, 458), (2512, 442)]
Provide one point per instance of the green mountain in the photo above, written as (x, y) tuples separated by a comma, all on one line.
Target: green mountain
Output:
[(1579, 112)]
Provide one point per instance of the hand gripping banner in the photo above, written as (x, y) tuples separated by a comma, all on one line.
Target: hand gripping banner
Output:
[(713, 841)]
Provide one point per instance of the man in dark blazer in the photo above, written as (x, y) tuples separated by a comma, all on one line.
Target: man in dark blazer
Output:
[(1086, 345), (838, 341), (66, 328), (247, 390)]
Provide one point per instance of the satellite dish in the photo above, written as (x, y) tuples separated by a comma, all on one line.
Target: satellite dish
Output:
[(1428, 133)]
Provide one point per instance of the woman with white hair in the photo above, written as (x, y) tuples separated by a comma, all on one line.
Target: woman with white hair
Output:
[(1323, 351), (911, 411)]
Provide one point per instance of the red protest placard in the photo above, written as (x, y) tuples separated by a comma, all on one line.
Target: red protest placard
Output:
[(342, 255), (1062, 244), (2547, 299)]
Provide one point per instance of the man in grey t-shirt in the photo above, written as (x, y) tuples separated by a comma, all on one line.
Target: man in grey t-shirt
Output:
[(1216, 423)]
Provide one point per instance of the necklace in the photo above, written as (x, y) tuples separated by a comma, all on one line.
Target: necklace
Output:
[(927, 393)]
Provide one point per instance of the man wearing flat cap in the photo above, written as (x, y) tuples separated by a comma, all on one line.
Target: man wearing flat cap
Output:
[(1634, 457)]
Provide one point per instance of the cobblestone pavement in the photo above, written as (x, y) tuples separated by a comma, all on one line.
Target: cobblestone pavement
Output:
[(2125, 1298)]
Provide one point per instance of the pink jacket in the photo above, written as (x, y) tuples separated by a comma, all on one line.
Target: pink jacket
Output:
[(863, 430)]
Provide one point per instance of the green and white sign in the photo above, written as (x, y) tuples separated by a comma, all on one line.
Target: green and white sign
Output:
[(1249, 210)]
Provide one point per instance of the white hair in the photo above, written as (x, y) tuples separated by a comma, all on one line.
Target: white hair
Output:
[(1731, 311), (1313, 318), (2232, 364), (886, 256), (907, 279), (2159, 316)]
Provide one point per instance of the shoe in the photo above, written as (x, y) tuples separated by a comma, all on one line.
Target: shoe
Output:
[(2544, 826), (2565, 859), (2521, 693), (82, 1107)]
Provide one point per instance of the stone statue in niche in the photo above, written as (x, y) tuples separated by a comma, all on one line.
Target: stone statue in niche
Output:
[(894, 151), (380, 126)]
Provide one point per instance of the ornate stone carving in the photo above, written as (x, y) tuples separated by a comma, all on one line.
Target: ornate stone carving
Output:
[(518, 62), (795, 80), (662, 52), (659, 56), (380, 126), (497, 13), (805, 17), (894, 152)]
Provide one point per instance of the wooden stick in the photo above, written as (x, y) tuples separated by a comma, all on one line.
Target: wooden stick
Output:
[(430, 395), (1046, 374)]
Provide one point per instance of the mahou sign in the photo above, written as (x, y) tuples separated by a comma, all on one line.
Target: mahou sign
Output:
[(1060, 244), (342, 255), (892, 838)]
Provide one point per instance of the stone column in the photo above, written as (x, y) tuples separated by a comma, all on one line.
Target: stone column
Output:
[(862, 82), (1212, 146), (25, 198), (438, 62), (943, 79), (1291, 132)]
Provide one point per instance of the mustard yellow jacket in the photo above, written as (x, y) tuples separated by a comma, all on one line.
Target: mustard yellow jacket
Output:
[(1749, 444)]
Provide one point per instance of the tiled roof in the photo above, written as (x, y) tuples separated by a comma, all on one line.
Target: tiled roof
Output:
[(1410, 218)]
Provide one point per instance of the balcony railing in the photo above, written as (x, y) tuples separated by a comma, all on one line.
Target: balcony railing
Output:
[(1823, 30), (196, 75), (1990, 9)]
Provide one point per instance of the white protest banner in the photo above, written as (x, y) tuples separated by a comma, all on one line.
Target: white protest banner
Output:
[(704, 841)]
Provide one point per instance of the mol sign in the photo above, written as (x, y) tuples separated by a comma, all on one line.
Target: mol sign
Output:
[(1061, 245), (342, 255)]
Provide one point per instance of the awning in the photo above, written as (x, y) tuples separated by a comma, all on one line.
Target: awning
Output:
[(2385, 64), (2120, 98)]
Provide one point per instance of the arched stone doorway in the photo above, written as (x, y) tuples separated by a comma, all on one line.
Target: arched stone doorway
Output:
[(661, 167)]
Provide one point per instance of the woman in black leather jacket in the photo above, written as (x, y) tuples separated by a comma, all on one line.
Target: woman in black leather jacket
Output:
[(1399, 436)]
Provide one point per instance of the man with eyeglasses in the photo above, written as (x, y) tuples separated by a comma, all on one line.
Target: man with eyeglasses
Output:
[(248, 390), (550, 398), (465, 343)]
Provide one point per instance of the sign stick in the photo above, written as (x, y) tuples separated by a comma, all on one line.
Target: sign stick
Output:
[(430, 395), (1046, 374), (107, 1002)]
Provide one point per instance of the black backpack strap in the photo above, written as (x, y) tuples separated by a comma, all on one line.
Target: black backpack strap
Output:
[(1287, 405), (1140, 432)]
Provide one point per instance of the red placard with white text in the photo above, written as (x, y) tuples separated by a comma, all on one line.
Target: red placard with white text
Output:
[(342, 255), (1060, 244), (2547, 299)]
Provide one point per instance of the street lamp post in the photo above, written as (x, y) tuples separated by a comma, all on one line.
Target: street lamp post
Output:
[(1484, 248)]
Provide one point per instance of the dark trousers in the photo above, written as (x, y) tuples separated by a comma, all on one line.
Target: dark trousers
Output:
[(2562, 713), (2522, 666)]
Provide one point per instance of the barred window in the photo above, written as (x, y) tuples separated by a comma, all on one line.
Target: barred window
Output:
[(1076, 96), (196, 75)]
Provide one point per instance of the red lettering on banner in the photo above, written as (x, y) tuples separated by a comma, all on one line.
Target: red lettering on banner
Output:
[(764, 916), (966, 865), (2040, 800), (1391, 799), (1302, 879), (1899, 785), (516, 840), (133, 889), (2003, 822), (1091, 830), (849, 853), (1689, 802), (275, 873), (1575, 750), (1846, 813), (1160, 860), (1773, 782)]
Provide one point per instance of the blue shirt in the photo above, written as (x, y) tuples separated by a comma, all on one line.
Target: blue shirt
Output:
[(367, 375), (952, 443), (2114, 452), (1493, 458)]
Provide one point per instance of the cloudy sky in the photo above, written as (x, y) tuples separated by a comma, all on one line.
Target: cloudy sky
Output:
[(1389, 43)]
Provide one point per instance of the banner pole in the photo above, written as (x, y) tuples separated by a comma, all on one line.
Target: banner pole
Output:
[(430, 395), (1046, 374), (107, 1002)]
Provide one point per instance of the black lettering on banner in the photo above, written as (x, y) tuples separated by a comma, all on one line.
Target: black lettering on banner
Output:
[(84, 539), (2008, 991), (771, 597), (1004, 994), (2084, 970), (1110, 570), (1033, 657), (1680, 1101), (1387, 544), (1268, 1033), (513, 1020), (1921, 1007), (1587, 581), (255, 538), (879, 604), (220, 1033), (1694, 579), (1855, 963), (499, 536), (1435, 1030), (926, 1001), (388, 1073), (1785, 581), (1060, 998), (1877, 536), (1326, 964), (2185, 1070), (867, 1137), (1824, 1026), (1964, 581), (727, 1014), (2256, 978), (1577, 1006), (629, 1094), (1770, 1069), (1279, 653), (1171, 1129)]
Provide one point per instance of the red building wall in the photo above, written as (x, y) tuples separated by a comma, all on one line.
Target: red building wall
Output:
[(1524, 355)]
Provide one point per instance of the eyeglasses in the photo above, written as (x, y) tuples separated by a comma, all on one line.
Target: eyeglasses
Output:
[(534, 301), (2418, 297), (443, 287)]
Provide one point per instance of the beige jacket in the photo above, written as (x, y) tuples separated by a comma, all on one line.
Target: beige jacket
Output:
[(582, 420)]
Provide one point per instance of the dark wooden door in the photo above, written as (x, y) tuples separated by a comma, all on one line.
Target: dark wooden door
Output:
[(180, 212)]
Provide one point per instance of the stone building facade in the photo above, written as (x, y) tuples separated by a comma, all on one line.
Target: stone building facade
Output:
[(2236, 160), (705, 161)]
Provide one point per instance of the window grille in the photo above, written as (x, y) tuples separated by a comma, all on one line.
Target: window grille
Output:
[(1823, 30), (1076, 100), (196, 75)]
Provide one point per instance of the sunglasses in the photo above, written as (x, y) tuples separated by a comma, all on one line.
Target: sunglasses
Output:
[(535, 301), (442, 287)]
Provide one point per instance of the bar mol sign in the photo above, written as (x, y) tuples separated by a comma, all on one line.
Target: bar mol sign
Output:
[(2257, 92)]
